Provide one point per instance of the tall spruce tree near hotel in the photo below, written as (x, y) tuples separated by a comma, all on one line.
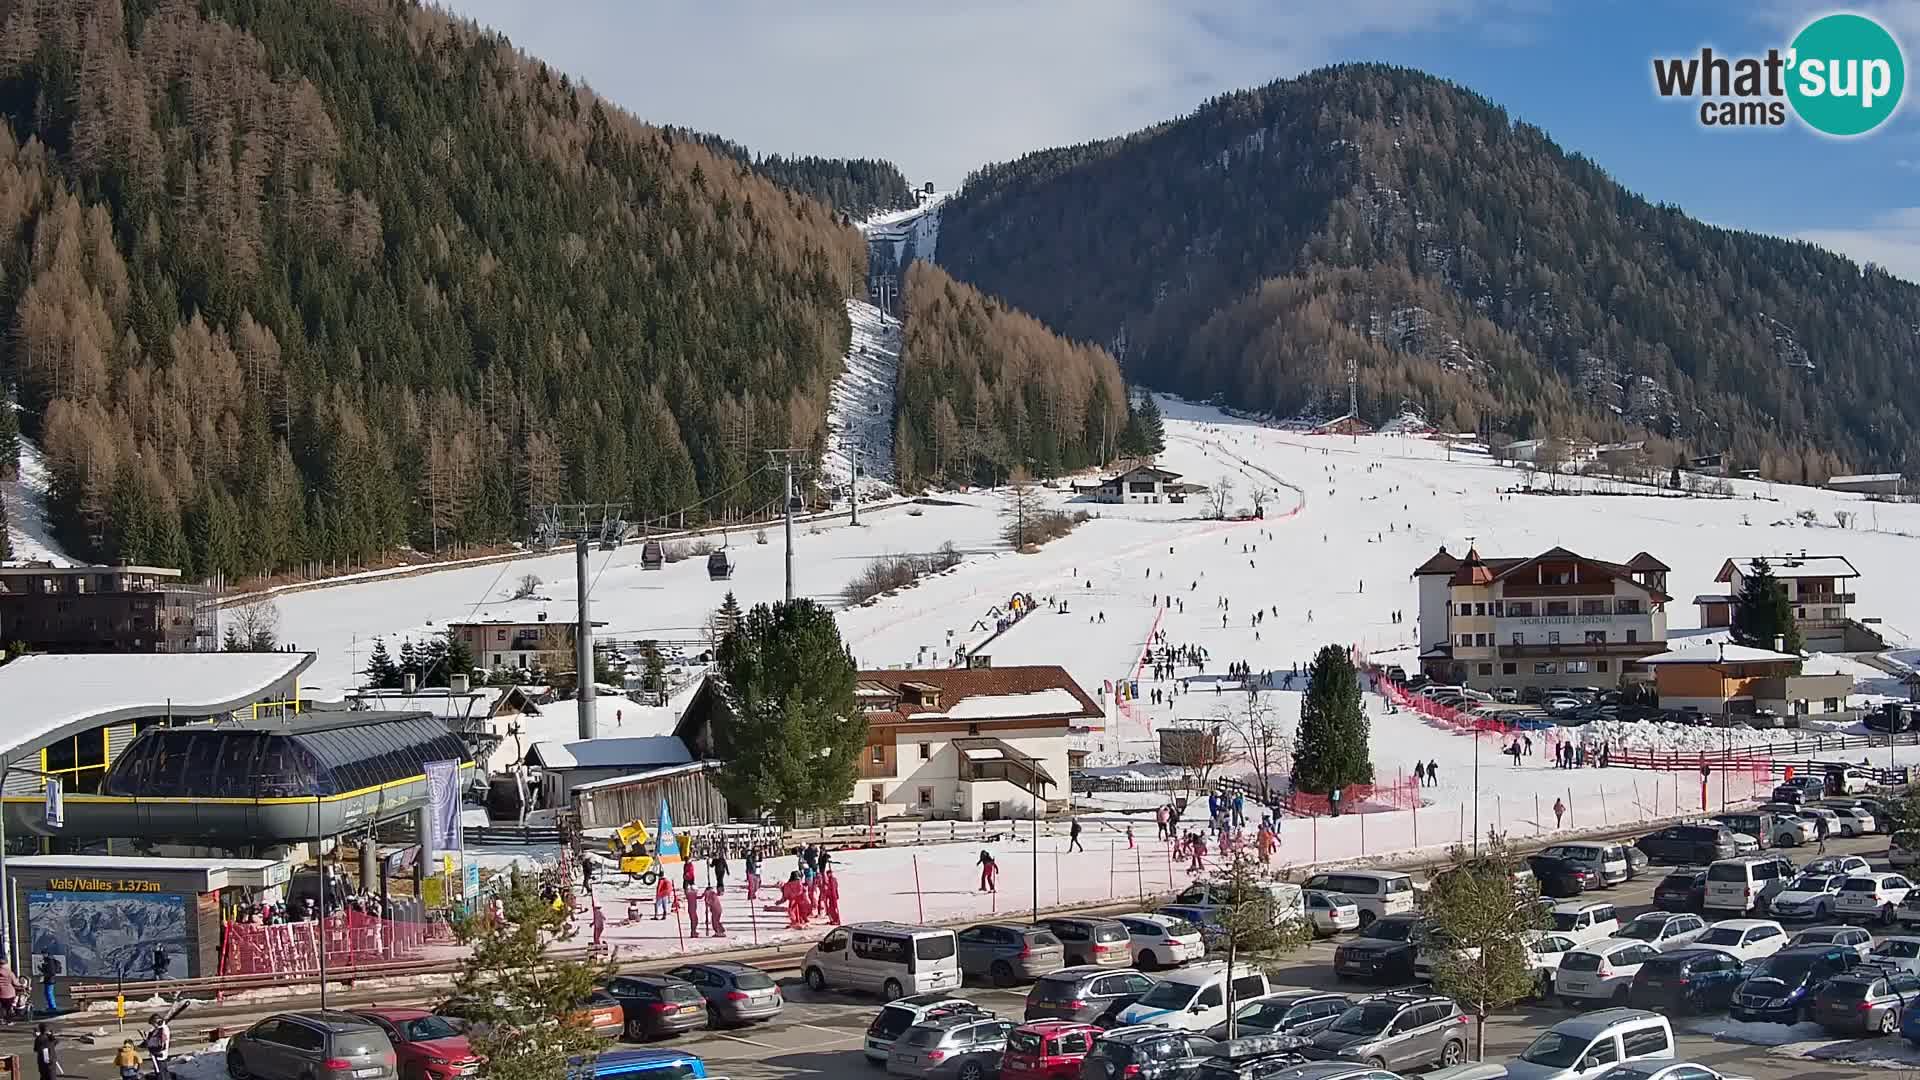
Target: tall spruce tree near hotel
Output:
[(1762, 614), (791, 734), (1330, 747)]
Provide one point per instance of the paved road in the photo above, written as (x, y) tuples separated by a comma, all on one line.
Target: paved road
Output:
[(820, 1035)]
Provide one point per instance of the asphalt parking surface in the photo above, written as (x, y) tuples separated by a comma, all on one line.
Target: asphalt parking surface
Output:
[(819, 1035)]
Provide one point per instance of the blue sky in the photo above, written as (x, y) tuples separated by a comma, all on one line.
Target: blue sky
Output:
[(941, 88)]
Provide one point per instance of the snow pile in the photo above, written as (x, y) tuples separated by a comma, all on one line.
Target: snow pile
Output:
[(1753, 1033), (207, 1064), (1664, 737), (26, 500), (860, 415)]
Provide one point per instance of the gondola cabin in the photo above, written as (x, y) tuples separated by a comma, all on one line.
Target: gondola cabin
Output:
[(652, 555), (720, 565)]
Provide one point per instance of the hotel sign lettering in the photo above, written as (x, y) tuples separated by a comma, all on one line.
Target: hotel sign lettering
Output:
[(88, 884), (1558, 620)]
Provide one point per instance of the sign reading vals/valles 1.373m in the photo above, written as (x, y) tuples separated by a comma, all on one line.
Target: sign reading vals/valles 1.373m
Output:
[(88, 884)]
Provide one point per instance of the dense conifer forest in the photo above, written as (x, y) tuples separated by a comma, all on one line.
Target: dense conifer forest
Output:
[(1469, 266)]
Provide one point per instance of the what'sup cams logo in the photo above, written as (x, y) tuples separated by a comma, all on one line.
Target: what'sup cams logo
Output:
[(1843, 75)]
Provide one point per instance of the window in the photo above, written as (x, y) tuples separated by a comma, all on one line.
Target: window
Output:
[(879, 752), (1479, 609), (1210, 998), (1627, 605), (1553, 637), (876, 793), (1520, 609), (500, 634), (1466, 640), (1596, 637), (926, 796), (1559, 607), (1499, 609), (1633, 636), (1074, 1042), (1519, 638), (1800, 613), (1646, 1041), (1576, 667), (1601, 666), (1487, 669), (1480, 640), (1249, 987), (1593, 607), (1509, 669), (1546, 668), (926, 751), (884, 948), (1466, 609)]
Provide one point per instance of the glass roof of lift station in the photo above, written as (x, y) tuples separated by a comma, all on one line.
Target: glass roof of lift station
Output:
[(315, 754)]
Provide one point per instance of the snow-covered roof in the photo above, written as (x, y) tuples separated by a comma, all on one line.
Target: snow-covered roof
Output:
[(1055, 702), (1864, 478), (660, 773), (1791, 566), (631, 752), (1716, 654), (79, 691), (1714, 598)]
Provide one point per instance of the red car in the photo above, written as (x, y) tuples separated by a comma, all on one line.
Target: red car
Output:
[(1047, 1050), (429, 1047)]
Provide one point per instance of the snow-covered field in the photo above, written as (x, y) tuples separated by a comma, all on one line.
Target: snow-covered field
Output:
[(1346, 521), (861, 415)]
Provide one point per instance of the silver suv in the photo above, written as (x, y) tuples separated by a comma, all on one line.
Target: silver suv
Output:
[(1395, 1031), (312, 1046)]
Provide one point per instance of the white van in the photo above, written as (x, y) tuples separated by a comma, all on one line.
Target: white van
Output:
[(1605, 859), (1375, 892), (889, 959), (1194, 998), (1747, 883), (1585, 920), (1584, 1046)]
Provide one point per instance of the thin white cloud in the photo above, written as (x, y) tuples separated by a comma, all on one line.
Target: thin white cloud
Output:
[(941, 90), (1891, 240)]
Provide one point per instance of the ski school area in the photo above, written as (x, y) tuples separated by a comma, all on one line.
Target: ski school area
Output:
[(1156, 616)]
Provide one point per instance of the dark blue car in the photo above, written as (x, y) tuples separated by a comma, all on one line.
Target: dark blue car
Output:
[(639, 1065), (1779, 988)]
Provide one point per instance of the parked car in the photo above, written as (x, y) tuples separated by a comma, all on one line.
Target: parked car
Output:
[(1260, 1058), (425, 1046), (1084, 994), (1047, 1050), (735, 993), (656, 1006), (314, 1045), (1600, 971), (1850, 936), (1384, 950), (885, 958), (1684, 889), (1545, 950), (1867, 1000), (629, 1064), (1766, 829), (1687, 981), (1660, 1069), (1746, 939), (895, 1017), (599, 1010), (1857, 820), (1871, 896), (1299, 1013), (1144, 1053), (1586, 1045), (1747, 883), (1897, 953), (1205, 919), (1102, 942), (1402, 1032), (1194, 997), (1585, 920), (1808, 896), (1903, 850), (1664, 930), (1779, 988), (1331, 912), (1561, 879), (1698, 843), (1843, 865), (1836, 828), (1377, 893), (1608, 859), (1909, 909), (1160, 940), (1006, 953), (957, 1046)]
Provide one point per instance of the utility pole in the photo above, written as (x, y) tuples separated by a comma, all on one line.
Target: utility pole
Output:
[(786, 458), (853, 484), (583, 642), (1353, 396)]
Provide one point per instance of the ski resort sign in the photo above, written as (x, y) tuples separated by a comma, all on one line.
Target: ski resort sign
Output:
[(1842, 75)]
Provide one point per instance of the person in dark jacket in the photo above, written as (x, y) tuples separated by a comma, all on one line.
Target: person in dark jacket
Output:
[(49, 971)]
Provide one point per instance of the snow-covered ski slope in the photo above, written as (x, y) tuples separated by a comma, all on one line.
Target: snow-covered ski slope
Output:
[(27, 510), (1366, 512), (913, 232), (860, 415)]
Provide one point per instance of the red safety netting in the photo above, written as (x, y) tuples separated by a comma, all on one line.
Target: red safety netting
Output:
[(1399, 794), (353, 939)]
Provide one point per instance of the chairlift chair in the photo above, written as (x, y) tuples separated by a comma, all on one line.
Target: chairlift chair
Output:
[(720, 565), (652, 555)]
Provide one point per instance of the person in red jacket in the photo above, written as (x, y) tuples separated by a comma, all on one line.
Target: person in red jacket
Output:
[(830, 890), (794, 896)]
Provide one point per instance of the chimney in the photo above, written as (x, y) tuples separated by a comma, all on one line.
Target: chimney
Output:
[(457, 683), (1779, 643), (409, 683)]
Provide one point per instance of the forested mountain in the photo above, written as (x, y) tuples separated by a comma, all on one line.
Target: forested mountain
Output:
[(293, 280), (1469, 266), (858, 187), (985, 390)]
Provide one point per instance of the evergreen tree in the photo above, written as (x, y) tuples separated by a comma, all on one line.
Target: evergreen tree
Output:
[(382, 672), (1762, 611), (655, 677), (1483, 917), (9, 436), (1330, 747), (456, 657), (1153, 432), (791, 735), (525, 993), (410, 662)]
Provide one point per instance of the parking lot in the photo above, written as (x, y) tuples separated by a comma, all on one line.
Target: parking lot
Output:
[(819, 1035)]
